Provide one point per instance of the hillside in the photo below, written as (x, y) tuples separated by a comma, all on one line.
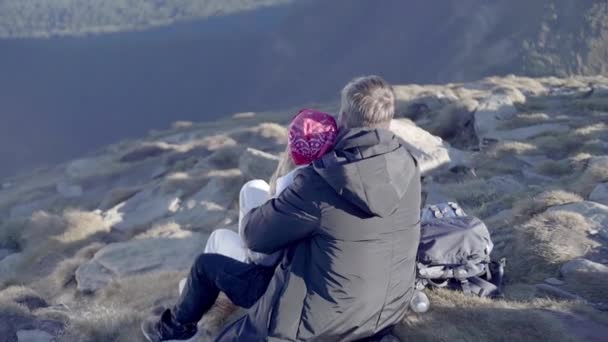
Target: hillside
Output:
[(41, 18), (88, 247), (177, 60)]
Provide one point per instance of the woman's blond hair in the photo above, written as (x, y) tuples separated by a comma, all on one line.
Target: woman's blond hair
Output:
[(285, 166)]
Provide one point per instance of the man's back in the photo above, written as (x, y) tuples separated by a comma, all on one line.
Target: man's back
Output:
[(351, 272)]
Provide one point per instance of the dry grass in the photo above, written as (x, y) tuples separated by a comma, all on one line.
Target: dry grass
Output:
[(556, 168), (511, 148), (455, 317), (81, 225), (23, 296), (545, 241), (142, 292), (529, 206), (104, 323), (524, 120), (595, 173)]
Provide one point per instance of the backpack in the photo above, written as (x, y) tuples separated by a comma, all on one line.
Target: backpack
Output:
[(454, 253)]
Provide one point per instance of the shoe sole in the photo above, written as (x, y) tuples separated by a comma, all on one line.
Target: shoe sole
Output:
[(148, 337)]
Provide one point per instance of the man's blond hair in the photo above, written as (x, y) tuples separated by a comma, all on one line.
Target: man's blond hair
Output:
[(367, 101)]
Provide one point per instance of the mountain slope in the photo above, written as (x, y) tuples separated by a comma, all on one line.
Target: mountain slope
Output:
[(89, 247)]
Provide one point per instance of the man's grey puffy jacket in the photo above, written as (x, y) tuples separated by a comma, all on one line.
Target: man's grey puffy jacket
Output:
[(350, 227)]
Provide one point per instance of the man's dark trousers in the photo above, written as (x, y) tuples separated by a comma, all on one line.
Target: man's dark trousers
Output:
[(211, 274)]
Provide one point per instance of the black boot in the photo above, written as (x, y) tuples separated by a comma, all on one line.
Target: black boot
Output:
[(165, 327)]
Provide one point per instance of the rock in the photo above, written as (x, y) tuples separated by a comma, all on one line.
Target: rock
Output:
[(208, 208), (554, 281), (600, 194), (144, 152), (255, 164), (9, 266), (88, 167), (600, 90), (555, 292), (595, 213), (68, 190), (142, 209), (116, 196), (4, 252), (431, 152), (491, 112), (138, 256), (528, 132), (582, 265), (34, 336)]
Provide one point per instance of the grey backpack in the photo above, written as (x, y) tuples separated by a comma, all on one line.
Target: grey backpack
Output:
[(454, 252)]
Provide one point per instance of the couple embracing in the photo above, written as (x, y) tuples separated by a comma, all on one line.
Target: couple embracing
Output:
[(328, 251)]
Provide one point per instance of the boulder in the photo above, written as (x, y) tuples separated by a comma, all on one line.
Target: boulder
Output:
[(595, 213), (144, 151), (431, 152), (600, 90), (600, 194), (34, 336), (145, 207), (491, 112), (119, 260), (554, 282), (117, 196), (581, 265), (68, 190), (208, 208), (256, 164)]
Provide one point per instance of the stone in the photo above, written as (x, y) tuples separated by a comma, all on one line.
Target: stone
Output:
[(34, 336), (600, 194), (208, 207), (491, 112), (554, 281), (595, 213), (142, 209), (68, 190), (4, 252), (10, 265), (431, 151), (123, 259), (117, 196), (256, 164), (528, 132), (88, 167), (581, 265), (600, 90)]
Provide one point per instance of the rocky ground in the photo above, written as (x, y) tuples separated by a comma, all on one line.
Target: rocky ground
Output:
[(89, 247)]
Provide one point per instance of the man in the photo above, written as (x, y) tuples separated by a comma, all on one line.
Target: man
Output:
[(349, 225)]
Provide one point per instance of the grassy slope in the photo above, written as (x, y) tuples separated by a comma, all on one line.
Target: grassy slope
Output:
[(534, 242)]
